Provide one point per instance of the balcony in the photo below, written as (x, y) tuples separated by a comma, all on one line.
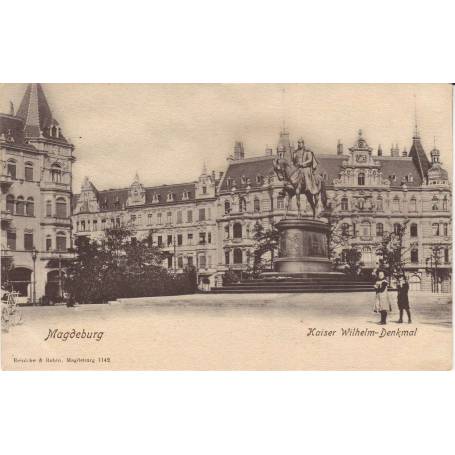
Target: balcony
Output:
[(56, 186), (54, 221), (5, 181), (6, 217)]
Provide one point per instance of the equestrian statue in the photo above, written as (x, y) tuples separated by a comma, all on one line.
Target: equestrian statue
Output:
[(300, 176)]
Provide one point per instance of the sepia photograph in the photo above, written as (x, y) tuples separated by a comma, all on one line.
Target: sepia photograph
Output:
[(226, 226)]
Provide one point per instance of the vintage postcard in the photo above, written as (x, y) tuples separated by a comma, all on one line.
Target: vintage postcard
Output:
[(226, 226)]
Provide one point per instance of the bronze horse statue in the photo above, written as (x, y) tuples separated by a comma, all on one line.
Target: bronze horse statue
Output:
[(286, 171)]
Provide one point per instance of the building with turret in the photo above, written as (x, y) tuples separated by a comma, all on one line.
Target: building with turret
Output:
[(371, 193), (36, 168)]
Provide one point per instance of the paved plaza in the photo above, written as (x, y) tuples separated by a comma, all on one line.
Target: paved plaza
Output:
[(229, 332)]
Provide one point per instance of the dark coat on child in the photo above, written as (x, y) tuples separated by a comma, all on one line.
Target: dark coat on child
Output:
[(402, 296)]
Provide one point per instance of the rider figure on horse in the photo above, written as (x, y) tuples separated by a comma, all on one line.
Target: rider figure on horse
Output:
[(300, 176), (306, 164)]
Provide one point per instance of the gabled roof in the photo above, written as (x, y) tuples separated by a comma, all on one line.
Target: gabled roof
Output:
[(418, 155)]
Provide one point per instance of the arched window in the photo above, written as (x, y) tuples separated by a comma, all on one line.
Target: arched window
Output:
[(10, 203), (414, 283), (435, 203), (237, 231), (56, 173), (257, 205), (413, 205), (396, 204), (60, 206), (366, 228), (396, 228), (344, 203), (238, 256), (48, 208), (30, 208), (413, 230), (61, 241), (28, 171), (227, 207), (20, 206), (361, 179), (379, 229), (414, 255), (11, 168)]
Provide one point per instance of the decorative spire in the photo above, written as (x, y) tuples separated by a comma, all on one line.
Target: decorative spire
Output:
[(204, 168), (11, 108), (416, 129), (136, 177)]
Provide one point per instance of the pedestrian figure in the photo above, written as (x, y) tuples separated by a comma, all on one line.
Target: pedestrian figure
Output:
[(382, 303), (402, 298)]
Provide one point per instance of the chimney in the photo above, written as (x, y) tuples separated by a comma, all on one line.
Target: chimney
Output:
[(268, 151), (379, 150), (404, 152), (395, 151), (239, 152), (339, 148)]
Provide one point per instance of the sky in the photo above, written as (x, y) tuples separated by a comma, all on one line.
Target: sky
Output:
[(165, 132)]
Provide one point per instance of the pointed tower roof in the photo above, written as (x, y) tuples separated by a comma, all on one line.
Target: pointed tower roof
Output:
[(36, 113), (418, 155)]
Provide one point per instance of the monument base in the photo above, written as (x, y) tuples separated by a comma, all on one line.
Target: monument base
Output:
[(302, 246)]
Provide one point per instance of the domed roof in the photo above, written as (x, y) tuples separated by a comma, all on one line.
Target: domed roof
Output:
[(436, 172)]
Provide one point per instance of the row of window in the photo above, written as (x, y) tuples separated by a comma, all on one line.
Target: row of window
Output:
[(242, 205), (369, 258), (204, 261), (137, 220), (171, 239), (20, 206), (436, 204), (60, 241), (438, 229), (244, 180), (11, 169)]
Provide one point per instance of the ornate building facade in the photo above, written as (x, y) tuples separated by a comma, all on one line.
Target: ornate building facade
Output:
[(371, 193), (180, 217), (36, 169), (209, 222)]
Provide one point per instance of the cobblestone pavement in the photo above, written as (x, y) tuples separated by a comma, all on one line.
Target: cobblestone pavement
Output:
[(213, 331)]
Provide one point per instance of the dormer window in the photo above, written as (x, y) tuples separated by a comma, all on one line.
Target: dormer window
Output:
[(410, 178), (104, 204), (204, 190), (393, 178), (259, 179), (185, 195), (243, 180), (229, 182), (170, 197), (156, 198)]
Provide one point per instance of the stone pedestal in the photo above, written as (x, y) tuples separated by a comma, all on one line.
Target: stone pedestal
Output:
[(302, 246)]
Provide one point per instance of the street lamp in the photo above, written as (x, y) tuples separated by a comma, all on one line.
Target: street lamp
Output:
[(34, 256)]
